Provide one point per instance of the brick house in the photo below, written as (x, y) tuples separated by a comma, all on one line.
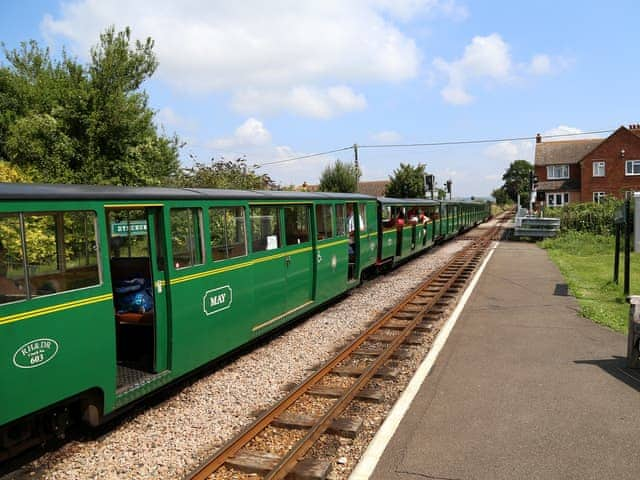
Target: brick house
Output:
[(587, 170)]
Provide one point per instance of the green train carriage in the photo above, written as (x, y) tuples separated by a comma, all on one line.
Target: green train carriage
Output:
[(400, 235), (204, 271), (109, 293)]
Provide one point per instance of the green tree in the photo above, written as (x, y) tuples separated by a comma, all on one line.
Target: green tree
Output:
[(61, 121), (228, 174), (340, 177), (500, 195), (516, 180), (407, 182), (11, 173)]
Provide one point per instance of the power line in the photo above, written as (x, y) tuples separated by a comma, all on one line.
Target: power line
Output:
[(470, 142), (307, 156), (433, 144)]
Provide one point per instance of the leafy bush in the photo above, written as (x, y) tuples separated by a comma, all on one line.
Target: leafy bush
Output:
[(596, 218)]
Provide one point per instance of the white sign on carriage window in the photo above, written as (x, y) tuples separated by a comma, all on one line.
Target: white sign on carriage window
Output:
[(598, 169), (632, 167), (555, 172)]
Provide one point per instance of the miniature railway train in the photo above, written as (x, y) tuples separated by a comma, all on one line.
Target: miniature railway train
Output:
[(109, 293)]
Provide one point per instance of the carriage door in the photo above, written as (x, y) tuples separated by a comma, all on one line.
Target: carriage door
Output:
[(299, 256), (137, 262), (353, 231)]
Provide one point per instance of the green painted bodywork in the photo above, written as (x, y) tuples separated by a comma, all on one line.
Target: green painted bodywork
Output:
[(267, 288)]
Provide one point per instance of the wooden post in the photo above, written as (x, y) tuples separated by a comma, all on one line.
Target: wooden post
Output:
[(627, 245), (616, 257)]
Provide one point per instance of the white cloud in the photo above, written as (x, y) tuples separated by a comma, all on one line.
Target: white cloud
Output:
[(279, 48), (167, 117), (485, 57), (561, 130), (305, 101), (509, 151), (488, 58), (540, 65), (253, 141), (251, 133), (386, 136), (405, 10)]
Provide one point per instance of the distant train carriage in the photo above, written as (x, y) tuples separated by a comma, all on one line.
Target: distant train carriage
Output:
[(407, 226)]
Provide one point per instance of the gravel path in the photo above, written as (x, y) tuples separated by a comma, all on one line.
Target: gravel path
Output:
[(170, 439)]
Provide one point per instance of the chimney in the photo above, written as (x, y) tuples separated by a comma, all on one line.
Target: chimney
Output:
[(538, 138)]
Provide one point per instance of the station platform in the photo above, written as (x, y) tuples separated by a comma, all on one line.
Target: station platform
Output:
[(523, 388)]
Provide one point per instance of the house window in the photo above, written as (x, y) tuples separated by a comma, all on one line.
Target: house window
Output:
[(632, 167), (598, 196), (598, 169), (556, 172), (557, 199)]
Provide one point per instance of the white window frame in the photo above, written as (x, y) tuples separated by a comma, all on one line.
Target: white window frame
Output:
[(599, 168), (598, 196), (635, 167), (552, 173), (562, 196)]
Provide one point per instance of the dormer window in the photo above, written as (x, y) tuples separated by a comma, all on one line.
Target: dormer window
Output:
[(557, 172)]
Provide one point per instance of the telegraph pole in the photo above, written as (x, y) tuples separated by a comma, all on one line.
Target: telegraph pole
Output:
[(355, 155)]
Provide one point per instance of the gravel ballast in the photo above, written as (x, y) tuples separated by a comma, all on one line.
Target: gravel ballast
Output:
[(170, 439)]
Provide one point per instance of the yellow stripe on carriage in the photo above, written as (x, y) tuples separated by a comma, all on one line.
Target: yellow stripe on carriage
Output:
[(332, 244), (237, 266), (54, 308)]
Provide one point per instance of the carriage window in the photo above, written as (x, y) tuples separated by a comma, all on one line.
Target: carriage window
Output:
[(341, 220), (129, 233), (324, 218), (80, 250), (12, 275), (227, 234), (363, 217), (61, 252), (265, 228), (386, 213), (186, 237), (296, 219)]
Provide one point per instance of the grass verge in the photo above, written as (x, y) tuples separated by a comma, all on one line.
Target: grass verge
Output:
[(586, 261)]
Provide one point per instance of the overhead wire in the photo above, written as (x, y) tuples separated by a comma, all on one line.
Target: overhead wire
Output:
[(431, 144), (307, 156)]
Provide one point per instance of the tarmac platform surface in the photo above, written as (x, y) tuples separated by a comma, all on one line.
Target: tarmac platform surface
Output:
[(523, 389)]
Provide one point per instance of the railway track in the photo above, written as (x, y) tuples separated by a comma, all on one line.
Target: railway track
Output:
[(368, 356)]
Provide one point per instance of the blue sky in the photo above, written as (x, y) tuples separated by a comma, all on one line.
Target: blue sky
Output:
[(280, 79)]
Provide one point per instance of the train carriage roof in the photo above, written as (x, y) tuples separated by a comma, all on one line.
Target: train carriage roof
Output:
[(32, 191), (417, 202)]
